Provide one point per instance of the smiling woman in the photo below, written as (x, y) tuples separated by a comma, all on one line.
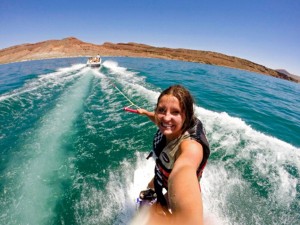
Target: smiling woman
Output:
[(170, 116), (181, 151)]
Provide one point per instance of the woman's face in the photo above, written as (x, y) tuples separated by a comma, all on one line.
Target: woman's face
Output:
[(170, 117)]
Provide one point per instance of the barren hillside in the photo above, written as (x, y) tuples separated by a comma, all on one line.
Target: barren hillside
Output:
[(72, 47)]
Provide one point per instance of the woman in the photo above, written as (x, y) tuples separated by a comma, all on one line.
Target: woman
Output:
[(180, 150)]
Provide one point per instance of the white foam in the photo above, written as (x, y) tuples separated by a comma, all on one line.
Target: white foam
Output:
[(61, 75), (115, 68), (119, 195), (72, 68), (44, 159), (214, 195), (132, 85), (266, 157)]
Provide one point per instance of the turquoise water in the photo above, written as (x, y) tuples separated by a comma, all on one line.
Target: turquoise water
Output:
[(71, 155)]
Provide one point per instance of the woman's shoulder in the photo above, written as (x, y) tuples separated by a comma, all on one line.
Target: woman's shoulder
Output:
[(190, 153), (191, 147), (190, 143)]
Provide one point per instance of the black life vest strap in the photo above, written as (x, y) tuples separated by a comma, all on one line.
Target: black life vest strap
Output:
[(158, 188), (150, 155), (160, 196)]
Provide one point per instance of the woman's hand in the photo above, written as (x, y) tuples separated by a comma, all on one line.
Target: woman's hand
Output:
[(142, 111), (150, 115)]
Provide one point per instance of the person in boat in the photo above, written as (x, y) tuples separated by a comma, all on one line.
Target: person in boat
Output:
[(180, 150)]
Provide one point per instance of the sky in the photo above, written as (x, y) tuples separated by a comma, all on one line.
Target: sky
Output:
[(266, 32)]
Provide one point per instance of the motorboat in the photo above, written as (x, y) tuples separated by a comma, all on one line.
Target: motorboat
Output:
[(94, 61)]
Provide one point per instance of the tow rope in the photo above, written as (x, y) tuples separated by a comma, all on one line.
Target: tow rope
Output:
[(127, 108)]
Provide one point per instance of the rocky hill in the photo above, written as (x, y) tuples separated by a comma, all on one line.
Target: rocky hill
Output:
[(72, 47)]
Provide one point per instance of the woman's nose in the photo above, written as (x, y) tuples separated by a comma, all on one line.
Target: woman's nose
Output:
[(167, 116)]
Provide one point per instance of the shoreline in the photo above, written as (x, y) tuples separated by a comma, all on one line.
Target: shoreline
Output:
[(296, 78), (72, 47)]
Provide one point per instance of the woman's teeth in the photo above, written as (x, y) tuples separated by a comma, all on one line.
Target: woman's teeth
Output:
[(166, 125)]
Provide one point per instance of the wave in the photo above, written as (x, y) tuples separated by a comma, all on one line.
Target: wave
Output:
[(248, 169)]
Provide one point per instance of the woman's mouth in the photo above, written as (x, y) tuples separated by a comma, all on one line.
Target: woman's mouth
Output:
[(165, 125)]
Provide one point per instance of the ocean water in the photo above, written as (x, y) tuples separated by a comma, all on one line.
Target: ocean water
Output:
[(70, 154)]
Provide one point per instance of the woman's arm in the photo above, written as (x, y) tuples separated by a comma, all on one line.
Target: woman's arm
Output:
[(184, 191), (150, 115)]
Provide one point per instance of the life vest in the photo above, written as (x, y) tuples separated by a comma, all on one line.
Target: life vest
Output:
[(165, 156)]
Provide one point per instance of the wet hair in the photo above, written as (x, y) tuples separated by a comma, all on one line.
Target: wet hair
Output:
[(186, 103)]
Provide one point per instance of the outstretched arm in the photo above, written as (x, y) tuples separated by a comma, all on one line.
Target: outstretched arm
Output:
[(184, 191), (150, 115)]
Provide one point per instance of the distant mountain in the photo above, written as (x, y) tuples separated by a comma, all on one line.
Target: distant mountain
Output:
[(72, 47), (283, 71)]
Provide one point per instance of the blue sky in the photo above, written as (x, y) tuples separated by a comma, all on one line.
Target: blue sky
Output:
[(266, 32)]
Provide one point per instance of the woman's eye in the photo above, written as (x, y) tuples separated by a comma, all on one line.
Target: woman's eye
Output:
[(160, 110), (175, 112)]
